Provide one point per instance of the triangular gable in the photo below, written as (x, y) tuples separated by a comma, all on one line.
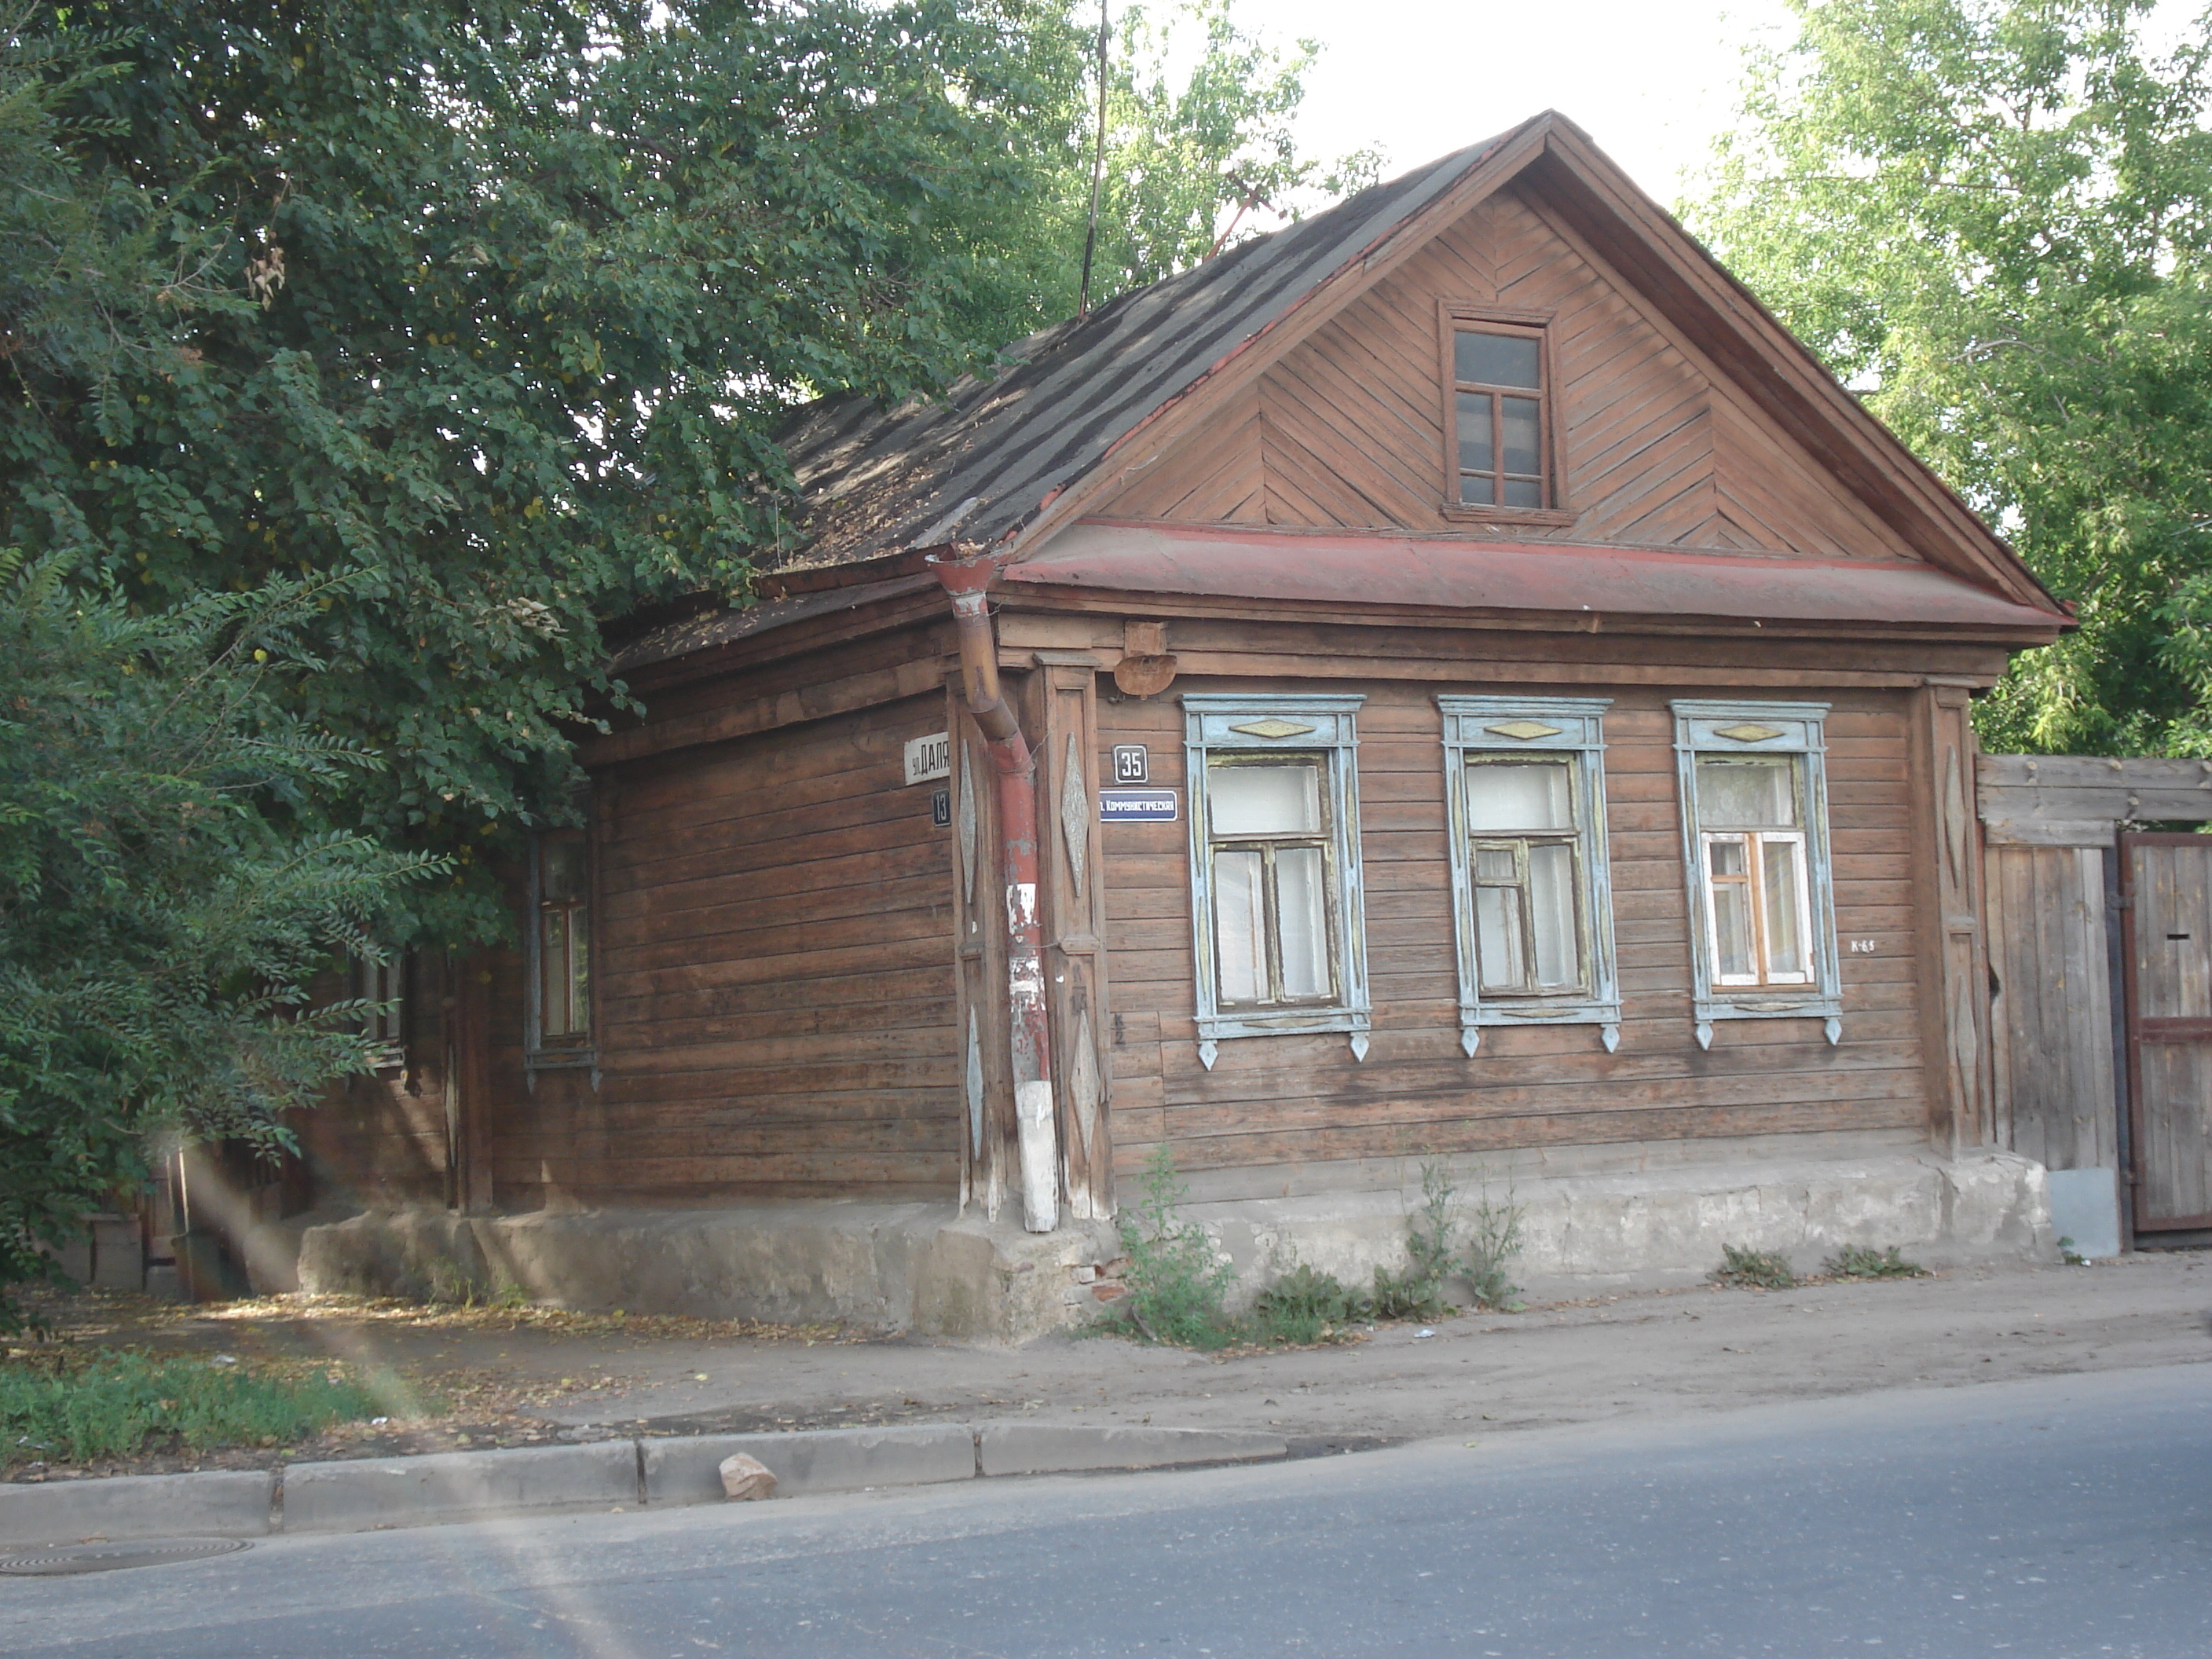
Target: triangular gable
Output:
[(1658, 448), (1181, 374)]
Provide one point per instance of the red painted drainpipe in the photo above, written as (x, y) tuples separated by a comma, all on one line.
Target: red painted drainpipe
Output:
[(969, 582)]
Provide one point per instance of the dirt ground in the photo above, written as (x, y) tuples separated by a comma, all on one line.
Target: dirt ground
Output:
[(486, 1377)]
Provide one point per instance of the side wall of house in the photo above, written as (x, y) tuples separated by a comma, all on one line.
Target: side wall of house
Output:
[(1275, 1102), (774, 1010)]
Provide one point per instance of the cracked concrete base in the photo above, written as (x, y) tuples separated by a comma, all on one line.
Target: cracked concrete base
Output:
[(885, 1267), (1608, 1217)]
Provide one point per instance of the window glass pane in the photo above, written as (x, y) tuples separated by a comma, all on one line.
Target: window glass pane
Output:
[(553, 972), (1479, 488), (1517, 434), (561, 868), (1305, 921), (1785, 880), (1496, 359), (1552, 906), (1747, 794), (1728, 858), (1239, 941), (1523, 492), (580, 971), (1519, 795), (1474, 433), (1265, 800), (1494, 864), (1732, 928), (1497, 939)]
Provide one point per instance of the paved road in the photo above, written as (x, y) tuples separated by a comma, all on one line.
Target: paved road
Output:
[(2051, 1519)]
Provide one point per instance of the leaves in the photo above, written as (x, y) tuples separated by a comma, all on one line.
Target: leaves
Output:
[(1991, 219)]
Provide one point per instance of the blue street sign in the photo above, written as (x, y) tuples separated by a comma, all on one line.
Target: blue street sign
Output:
[(1137, 806)]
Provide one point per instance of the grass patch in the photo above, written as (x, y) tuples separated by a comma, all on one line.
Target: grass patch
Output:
[(1764, 1270), (110, 1403), (1862, 1261)]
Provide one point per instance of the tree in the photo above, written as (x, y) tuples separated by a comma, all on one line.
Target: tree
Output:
[(1991, 217), (492, 308), (161, 917)]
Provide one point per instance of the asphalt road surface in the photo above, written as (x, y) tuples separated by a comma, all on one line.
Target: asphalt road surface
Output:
[(2050, 1517)]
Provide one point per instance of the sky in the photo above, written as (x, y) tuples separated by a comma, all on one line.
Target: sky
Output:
[(1650, 83)]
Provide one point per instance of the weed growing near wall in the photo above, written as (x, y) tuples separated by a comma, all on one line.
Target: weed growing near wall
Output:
[(1494, 1238), (1765, 1270), (1862, 1261), (1176, 1281), (112, 1403)]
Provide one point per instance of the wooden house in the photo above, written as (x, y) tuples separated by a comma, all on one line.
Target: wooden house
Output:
[(1451, 678)]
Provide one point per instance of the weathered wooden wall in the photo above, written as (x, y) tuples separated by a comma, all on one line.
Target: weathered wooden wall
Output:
[(774, 1007), (1660, 448), (2052, 1013), (386, 1134), (1273, 1101)]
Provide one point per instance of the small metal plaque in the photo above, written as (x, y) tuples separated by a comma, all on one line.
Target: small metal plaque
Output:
[(1131, 763), (941, 808), (1138, 807), (1273, 726), (929, 757), (1527, 730), (1746, 733)]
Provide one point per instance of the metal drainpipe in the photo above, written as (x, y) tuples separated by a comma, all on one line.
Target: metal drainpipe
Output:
[(968, 581)]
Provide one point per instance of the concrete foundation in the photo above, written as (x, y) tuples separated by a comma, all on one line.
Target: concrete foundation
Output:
[(886, 1266), (1638, 1219)]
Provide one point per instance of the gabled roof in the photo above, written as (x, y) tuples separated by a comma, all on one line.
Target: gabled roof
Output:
[(1006, 463)]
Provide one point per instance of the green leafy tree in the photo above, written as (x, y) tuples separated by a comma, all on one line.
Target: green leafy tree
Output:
[(1991, 217), (493, 307), (162, 914)]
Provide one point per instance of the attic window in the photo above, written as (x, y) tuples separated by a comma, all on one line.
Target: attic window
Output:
[(1498, 409)]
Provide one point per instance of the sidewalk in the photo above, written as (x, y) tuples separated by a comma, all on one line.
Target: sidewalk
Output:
[(545, 1377)]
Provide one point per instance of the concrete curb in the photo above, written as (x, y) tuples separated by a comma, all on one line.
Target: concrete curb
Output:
[(369, 1493)]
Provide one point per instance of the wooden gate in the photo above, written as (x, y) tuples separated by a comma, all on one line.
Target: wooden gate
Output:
[(2167, 929)]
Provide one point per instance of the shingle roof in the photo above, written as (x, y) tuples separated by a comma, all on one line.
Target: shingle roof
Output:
[(877, 480)]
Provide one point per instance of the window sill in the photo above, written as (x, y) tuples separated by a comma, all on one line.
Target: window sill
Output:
[(1214, 1029), (1770, 1002), (563, 1060), (1505, 517), (1473, 1017)]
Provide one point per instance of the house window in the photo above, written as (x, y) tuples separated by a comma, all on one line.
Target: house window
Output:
[(1525, 781), (1501, 429), (380, 984), (1276, 914), (1755, 840), (561, 949)]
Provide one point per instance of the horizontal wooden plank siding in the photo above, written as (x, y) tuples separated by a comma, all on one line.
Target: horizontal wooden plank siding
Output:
[(775, 993), (1291, 1100)]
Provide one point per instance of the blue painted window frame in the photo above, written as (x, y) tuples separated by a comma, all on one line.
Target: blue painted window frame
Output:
[(1800, 731), (1576, 728), (1330, 730)]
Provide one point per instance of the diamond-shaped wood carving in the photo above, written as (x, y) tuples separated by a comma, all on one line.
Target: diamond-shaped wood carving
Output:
[(1273, 726), (1074, 813), (1525, 730), (1746, 733)]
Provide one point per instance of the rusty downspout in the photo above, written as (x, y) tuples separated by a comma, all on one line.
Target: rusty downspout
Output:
[(968, 581)]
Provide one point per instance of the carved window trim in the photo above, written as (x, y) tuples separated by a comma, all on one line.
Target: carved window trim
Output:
[(1323, 728), (1797, 730), (1475, 727)]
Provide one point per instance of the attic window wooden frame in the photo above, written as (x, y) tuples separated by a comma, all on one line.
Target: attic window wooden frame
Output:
[(1452, 317)]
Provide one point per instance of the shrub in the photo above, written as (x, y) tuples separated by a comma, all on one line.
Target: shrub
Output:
[(1765, 1270), (1494, 1238), (1305, 1306), (1417, 1292), (112, 1405), (1862, 1261), (1176, 1281)]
